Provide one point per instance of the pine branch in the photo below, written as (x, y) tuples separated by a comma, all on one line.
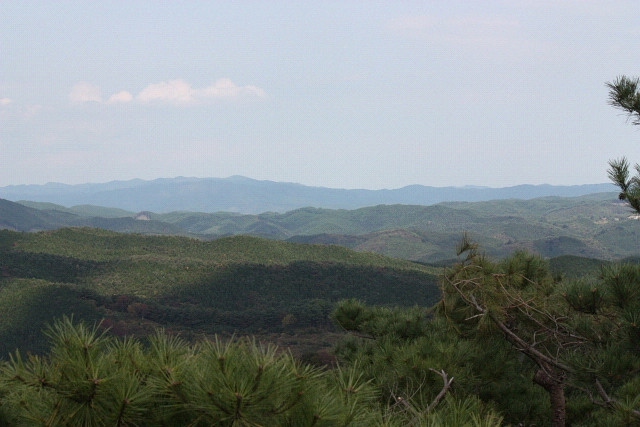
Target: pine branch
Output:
[(606, 401), (624, 95), (417, 415), (447, 385), (522, 345)]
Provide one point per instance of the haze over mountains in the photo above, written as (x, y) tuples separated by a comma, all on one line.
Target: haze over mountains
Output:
[(249, 196)]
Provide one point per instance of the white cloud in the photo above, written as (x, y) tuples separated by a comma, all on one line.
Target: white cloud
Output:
[(180, 92), (173, 92), (120, 97), (225, 88), (85, 92), (5, 101)]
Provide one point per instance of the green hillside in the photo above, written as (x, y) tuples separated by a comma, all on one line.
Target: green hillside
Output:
[(592, 226), (230, 285), (80, 210), (14, 216)]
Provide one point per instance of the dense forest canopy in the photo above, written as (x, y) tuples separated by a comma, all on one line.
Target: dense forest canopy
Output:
[(238, 284)]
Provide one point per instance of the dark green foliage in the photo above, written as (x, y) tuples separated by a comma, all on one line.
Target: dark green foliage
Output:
[(581, 337), (27, 306), (523, 270), (623, 282), (586, 333), (629, 186), (287, 287), (353, 315), (8, 239), (405, 351), (624, 94), (572, 267), (232, 285), (557, 246), (89, 379), (585, 296), (50, 267)]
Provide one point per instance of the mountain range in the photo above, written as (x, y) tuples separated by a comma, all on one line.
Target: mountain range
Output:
[(249, 196), (593, 226)]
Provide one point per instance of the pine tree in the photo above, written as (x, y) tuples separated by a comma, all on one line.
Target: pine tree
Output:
[(624, 94), (422, 370), (92, 379), (509, 341), (582, 337)]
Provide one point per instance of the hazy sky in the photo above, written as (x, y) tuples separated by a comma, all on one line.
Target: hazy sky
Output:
[(349, 94)]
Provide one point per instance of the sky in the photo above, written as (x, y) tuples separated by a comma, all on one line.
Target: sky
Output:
[(341, 94)]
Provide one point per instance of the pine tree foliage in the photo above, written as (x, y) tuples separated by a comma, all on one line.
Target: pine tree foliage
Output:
[(421, 369), (91, 379), (527, 349), (624, 94), (581, 337)]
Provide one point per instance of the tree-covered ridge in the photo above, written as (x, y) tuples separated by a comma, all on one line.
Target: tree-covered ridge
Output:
[(596, 226), (237, 284), (93, 244)]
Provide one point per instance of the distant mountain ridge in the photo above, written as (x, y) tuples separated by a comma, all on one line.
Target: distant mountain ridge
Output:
[(249, 196)]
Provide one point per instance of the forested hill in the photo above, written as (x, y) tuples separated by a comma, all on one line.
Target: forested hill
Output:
[(245, 195), (594, 226), (238, 284)]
